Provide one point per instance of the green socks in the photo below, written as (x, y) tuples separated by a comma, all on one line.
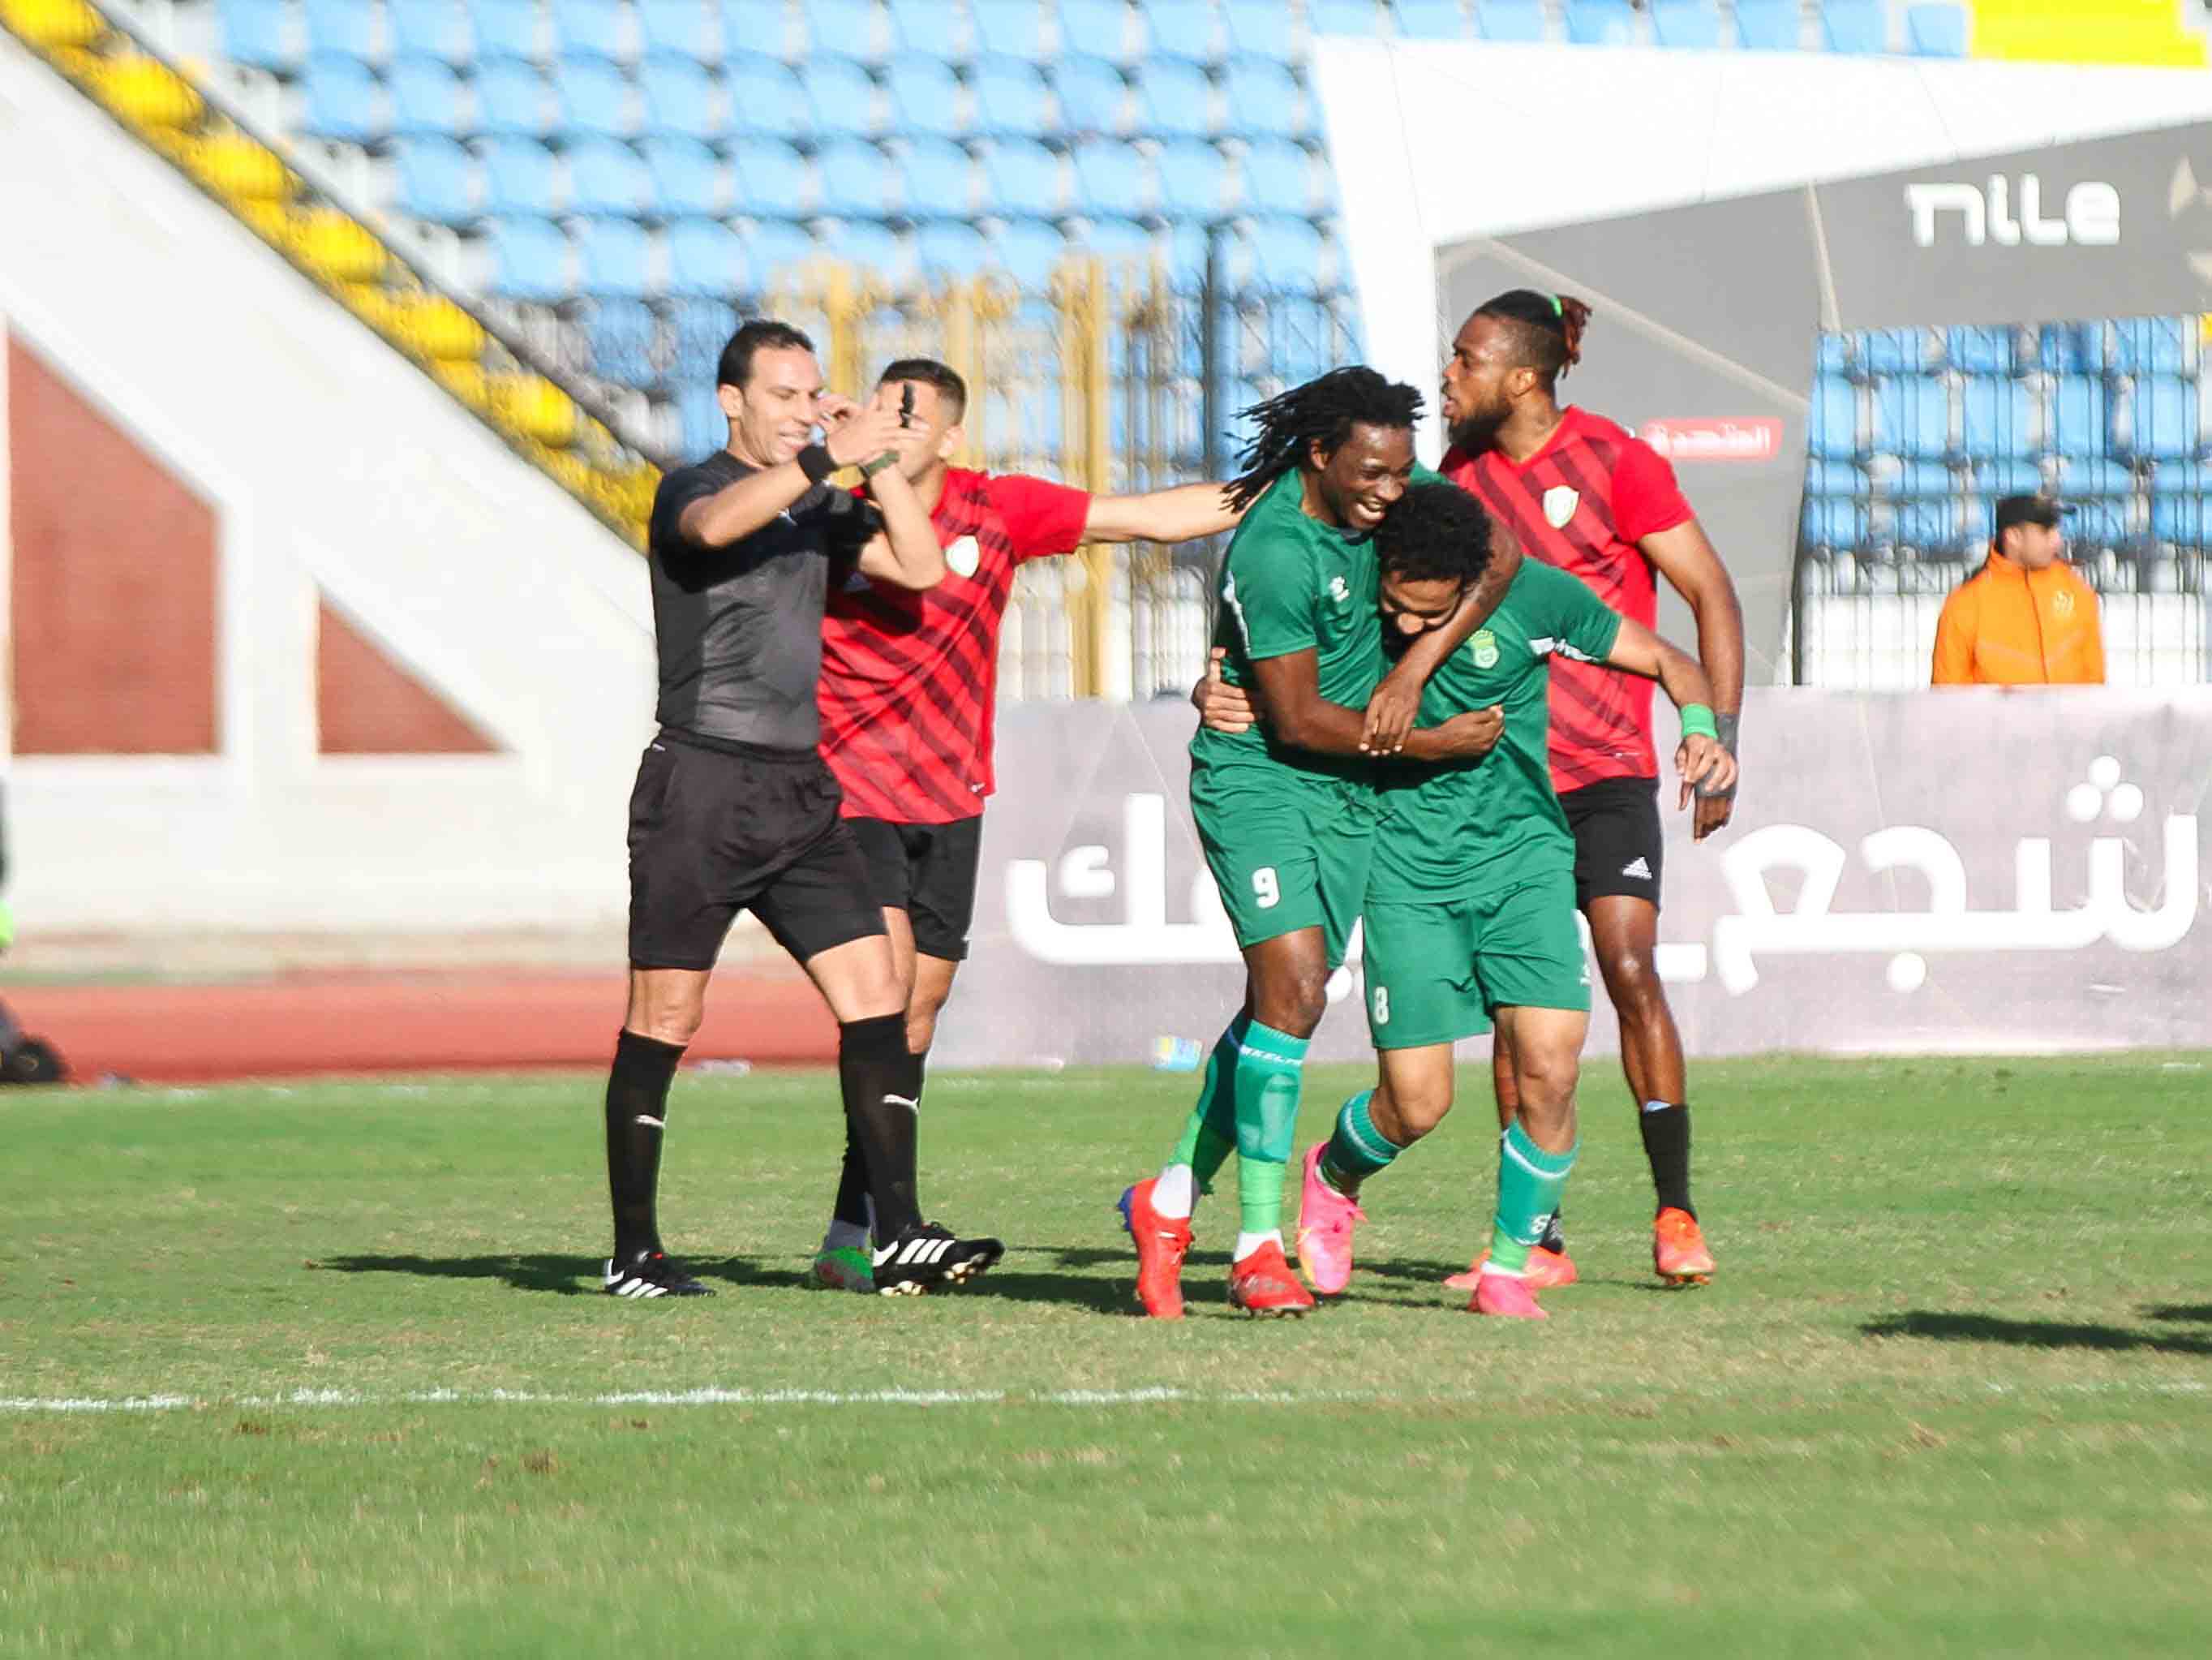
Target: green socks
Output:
[(1357, 1149), (1268, 1066), (1209, 1135), (1530, 1182)]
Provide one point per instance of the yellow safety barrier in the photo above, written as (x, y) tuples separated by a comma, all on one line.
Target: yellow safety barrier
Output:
[(337, 246), (146, 91), (536, 407), (435, 327), (54, 22), (238, 169)]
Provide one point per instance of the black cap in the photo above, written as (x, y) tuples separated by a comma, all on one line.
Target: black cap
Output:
[(2042, 510)]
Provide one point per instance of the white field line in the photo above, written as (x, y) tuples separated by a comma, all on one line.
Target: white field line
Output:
[(24, 1405)]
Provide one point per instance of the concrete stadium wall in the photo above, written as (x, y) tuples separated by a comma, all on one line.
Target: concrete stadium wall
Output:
[(342, 486)]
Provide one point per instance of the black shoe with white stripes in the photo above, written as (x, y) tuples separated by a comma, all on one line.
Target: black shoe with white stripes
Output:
[(926, 1255), (650, 1274)]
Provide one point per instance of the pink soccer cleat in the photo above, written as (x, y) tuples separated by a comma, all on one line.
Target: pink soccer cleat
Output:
[(1505, 1294), (1326, 1219), (1547, 1270)]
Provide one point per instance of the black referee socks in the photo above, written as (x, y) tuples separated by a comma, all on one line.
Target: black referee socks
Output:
[(637, 1113), (880, 1082), (852, 1206)]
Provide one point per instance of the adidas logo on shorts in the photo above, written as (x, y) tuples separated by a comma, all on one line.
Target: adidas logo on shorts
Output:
[(1639, 868)]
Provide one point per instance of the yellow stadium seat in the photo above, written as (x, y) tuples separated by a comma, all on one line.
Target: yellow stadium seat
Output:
[(335, 248), (466, 381), (148, 92), (2086, 32), (534, 406), (437, 328), (236, 167), (51, 23)]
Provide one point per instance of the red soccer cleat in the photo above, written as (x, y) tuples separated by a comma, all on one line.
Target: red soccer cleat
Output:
[(1547, 1270), (1505, 1294), (1161, 1243), (1262, 1283), (1678, 1249)]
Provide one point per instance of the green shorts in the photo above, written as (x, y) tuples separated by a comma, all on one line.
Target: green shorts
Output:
[(1437, 972), (1286, 858)]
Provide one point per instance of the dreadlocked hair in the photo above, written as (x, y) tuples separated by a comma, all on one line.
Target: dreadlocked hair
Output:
[(1322, 412), (1548, 328), (1432, 533)]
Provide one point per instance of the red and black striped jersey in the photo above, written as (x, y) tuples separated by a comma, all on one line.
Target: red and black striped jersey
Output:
[(1582, 502), (909, 679)]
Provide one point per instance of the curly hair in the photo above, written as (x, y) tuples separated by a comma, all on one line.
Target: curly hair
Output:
[(1547, 330), (1433, 533), (1322, 412)]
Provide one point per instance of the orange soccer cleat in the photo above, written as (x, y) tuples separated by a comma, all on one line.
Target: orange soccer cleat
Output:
[(1505, 1294), (1547, 1270), (1678, 1249), (1161, 1243), (1262, 1283)]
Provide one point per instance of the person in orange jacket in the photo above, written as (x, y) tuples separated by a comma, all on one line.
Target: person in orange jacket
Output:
[(2026, 619)]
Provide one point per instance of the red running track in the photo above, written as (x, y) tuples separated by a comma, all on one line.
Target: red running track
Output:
[(399, 1021)]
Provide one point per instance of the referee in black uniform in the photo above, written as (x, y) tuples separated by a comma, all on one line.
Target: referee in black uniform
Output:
[(733, 808)]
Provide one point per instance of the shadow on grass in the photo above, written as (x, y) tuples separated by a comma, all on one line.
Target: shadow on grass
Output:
[(565, 1276), (2029, 1334), (2201, 1311)]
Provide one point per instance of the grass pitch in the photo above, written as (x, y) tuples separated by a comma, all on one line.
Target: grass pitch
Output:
[(322, 1371)]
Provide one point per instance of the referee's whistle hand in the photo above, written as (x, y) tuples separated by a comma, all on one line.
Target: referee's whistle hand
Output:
[(855, 435), (1705, 766)]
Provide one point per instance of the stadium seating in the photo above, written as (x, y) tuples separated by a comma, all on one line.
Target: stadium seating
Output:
[(925, 97), (688, 31), (258, 34), (1094, 98), (1602, 23), (1771, 25), (521, 178), (681, 100), (1014, 28), (1935, 31), (1510, 19), (1691, 25), (437, 181), (1860, 25), (857, 179), (1432, 20), (606, 178)]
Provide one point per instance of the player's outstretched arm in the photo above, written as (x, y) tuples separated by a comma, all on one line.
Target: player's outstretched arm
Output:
[(1181, 514), (1297, 714), (906, 552), (1685, 556), (1389, 725), (1702, 759)]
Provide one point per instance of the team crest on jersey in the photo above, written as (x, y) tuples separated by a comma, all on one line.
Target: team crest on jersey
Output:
[(2063, 603), (964, 558), (1559, 505), (1339, 590), (1486, 648)]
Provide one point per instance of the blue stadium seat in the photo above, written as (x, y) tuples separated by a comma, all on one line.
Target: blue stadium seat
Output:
[(1510, 20), (1112, 178), (2070, 347), (866, 246), (1771, 25), (508, 28), (1832, 425), (426, 97), (1979, 350), (766, 97), (1028, 250), (705, 429), (705, 257), (681, 100), (1893, 351), (1190, 32), (1600, 22), (1827, 477), (343, 100), (437, 181), (1834, 354), (607, 178), (841, 96), (750, 27), (1111, 237), (596, 98), (775, 248), (2180, 517), (1014, 28), (690, 30), (1932, 525), (1836, 521), (2101, 523), (2165, 419), (856, 178), (2093, 475), (774, 181), (513, 100), (1265, 100), (1186, 242), (1687, 25), (1174, 99), (590, 28), (2154, 346), (925, 97), (1359, 19), (431, 28), (1911, 417), (2078, 414), (951, 247), (257, 34), (703, 323), (1194, 180), (1278, 177), (521, 179), (844, 28), (1286, 253), (936, 176), (1094, 98), (614, 257), (1858, 26), (1434, 20), (925, 28), (1998, 419), (1259, 28), (623, 335), (343, 28), (1096, 29), (687, 178), (2016, 475), (1022, 177), (1917, 477), (530, 260), (1011, 98), (1935, 31)]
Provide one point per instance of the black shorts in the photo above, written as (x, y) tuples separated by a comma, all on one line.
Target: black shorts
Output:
[(1615, 823), (928, 870), (714, 831)]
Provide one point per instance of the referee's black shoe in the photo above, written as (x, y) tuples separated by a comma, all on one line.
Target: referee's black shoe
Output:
[(926, 1256), (650, 1272)]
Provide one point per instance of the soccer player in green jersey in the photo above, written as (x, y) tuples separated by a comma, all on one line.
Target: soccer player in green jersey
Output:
[(1286, 813), (1470, 911)]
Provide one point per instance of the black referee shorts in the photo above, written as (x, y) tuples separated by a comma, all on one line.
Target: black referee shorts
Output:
[(714, 831), (1618, 843), (928, 870)]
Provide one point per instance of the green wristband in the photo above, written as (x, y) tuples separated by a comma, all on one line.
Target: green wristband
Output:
[(870, 468), (1698, 722)]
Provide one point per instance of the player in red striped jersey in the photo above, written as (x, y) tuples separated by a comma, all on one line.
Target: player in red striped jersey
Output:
[(1581, 494), (908, 681)]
